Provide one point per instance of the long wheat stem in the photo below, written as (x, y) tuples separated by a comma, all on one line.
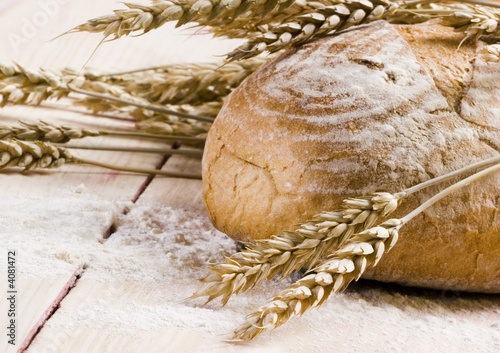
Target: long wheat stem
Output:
[(348, 263), (312, 240), (166, 151), (141, 170)]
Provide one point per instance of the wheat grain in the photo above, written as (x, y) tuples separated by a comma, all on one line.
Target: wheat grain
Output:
[(20, 85), (163, 127), (346, 264), (167, 124), (291, 251), (490, 53), (304, 27), (473, 20)]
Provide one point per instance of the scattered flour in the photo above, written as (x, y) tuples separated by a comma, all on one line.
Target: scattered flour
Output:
[(135, 282)]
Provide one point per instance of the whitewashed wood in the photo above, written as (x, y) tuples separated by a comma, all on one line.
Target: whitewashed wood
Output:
[(35, 300), (178, 193), (124, 295)]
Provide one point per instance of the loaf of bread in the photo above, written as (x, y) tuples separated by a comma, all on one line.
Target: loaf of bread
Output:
[(378, 108)]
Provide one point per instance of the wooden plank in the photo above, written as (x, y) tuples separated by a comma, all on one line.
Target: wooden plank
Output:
[(101, 305), (177, 193), (35, 298)]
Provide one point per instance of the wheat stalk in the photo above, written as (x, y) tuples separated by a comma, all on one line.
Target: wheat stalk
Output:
[(114, 148), (38, 154), (312, 240), (323, 21), (30, 155), (294, 30), (159, 127), (346, 264)]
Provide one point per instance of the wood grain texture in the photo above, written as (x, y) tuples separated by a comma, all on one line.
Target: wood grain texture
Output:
[(29, 27), (179, 193), (36, 299)]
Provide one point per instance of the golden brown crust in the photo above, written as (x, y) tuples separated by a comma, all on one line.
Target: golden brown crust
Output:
[(349, 115)]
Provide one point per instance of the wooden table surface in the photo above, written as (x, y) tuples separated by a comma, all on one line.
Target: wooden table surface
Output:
[(29, 26)]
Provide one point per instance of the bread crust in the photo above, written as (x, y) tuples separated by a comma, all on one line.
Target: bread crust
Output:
[(382, 107)]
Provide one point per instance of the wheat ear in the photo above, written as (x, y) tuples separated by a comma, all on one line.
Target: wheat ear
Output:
[(49, 132), (474, 21), (192, 84), (326, 20), (312, 240), (38, 154), (165, 124), (348, 263), (140, 18), (31, 155), (291, 251), (20, 85)]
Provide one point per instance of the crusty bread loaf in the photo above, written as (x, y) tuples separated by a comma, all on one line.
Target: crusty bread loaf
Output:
[(381, 107)]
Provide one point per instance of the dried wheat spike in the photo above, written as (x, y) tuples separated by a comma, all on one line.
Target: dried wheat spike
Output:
[(166, 127), (168, 124), (31, 155), (323, 21), (22, 85), (204, 12), (19, 85), (44, 131), (490, 53), (474, 21), (192, 84), (292, 250), (346, 264)]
